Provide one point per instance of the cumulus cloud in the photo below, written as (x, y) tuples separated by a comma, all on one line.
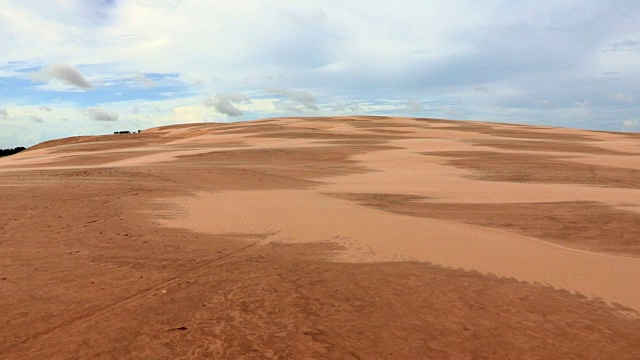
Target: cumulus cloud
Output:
[(301, 97), (414, 105), (65, 73), (3, 113), (45, 108), (35, 118), (223, 106), (223, 103), (99, 114)]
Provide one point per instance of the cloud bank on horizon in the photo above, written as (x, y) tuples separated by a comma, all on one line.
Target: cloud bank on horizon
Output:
[(73, 67)]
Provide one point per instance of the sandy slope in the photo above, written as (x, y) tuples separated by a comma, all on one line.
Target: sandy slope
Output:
[(270, 238)]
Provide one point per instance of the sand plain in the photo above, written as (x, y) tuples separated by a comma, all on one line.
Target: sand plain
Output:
[(352, 237)]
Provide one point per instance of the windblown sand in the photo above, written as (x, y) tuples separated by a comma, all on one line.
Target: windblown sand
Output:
[(353, 237)]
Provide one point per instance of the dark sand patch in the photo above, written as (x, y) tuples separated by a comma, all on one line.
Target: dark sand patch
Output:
[(268, 168), (555, 146), (509, 130), (390, 131), (581, 225), (110, 142), (321, 134)]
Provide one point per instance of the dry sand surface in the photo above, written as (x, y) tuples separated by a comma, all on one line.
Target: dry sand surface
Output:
[(338, 238)]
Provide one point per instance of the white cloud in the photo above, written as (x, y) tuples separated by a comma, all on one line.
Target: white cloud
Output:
[(99, 114), (3, 113), (45, 108), (223, 103), (65, 73), (184, 114), (585, 103)]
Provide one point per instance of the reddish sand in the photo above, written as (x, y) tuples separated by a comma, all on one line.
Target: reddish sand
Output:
[(354, 237)]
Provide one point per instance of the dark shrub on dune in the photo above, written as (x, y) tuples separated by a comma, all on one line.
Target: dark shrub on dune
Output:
[(7, 152)]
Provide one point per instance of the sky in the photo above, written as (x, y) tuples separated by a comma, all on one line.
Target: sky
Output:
[(86, 67)]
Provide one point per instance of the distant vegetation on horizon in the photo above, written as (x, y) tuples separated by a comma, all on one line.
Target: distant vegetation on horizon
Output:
[(7, 152)]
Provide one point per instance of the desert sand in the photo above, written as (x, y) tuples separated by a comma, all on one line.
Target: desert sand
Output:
[(339, 238)]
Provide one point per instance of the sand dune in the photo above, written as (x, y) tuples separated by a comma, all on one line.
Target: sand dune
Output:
[(352, 237)]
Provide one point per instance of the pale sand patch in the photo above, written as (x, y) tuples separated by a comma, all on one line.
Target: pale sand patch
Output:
[(374, 235), (633, 208), (36, 157), (407, 172), (161, 156), (618, 143)]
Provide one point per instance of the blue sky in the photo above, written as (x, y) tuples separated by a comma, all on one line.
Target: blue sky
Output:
[(77, 67)]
